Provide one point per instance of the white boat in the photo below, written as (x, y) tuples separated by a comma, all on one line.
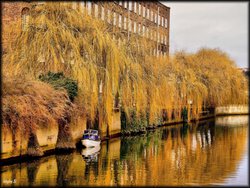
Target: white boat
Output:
[(91, 154), (90, 151), (90, 143), (91, 138)]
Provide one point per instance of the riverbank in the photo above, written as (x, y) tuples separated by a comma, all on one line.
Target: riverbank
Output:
[(231, 110), (78, 128), (78, 125), (161, 153)]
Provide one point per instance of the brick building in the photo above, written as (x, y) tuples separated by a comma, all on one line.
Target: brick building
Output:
[(145, 19), (12, 12)]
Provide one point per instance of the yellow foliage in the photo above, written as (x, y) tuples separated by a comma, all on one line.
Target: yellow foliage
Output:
[(60, 38), (28, 104)]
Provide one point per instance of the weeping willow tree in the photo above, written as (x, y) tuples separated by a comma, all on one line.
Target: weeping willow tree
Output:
[(28, 105), (225, 83), (60, 38), (108, 63), (207, 78)]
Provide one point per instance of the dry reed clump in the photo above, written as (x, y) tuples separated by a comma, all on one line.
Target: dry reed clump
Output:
[(60, 38), (28, 104)]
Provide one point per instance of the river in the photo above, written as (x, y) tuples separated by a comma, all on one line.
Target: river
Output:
[(213, 152)]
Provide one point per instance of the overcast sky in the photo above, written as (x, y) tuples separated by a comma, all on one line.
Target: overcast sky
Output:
[(221, 25)]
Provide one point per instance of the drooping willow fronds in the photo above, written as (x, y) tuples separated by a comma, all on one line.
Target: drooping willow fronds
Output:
[(107, 63), (28, 104)]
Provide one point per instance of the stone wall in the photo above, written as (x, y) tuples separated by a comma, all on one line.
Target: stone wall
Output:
[(239, 120), (231, 110), (15, 144)]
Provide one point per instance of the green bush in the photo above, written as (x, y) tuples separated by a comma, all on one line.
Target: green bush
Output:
[(58, 80)]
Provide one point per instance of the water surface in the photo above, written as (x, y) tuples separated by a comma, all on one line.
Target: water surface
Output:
[(208, 153)]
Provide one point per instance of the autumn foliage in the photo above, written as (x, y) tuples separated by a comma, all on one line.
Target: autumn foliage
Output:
[(62, 39)]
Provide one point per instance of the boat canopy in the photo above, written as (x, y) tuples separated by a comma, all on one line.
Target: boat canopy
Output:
[(86, 131), (91, 131), (94, 132)]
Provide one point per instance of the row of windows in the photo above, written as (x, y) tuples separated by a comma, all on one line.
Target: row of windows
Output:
[(132, 25), (124, 23), (154, 51), (137, 28), (142, 10), (145, 12)]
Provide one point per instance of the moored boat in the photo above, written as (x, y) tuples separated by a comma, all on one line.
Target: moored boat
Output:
[(91, 138), (90, 151)]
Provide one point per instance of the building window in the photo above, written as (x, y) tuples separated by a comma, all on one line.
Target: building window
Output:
[(89, 7), (130, 5), (119, 42), (135, 8), (139, 11), (82, 6), (139, 28), (134, 27), (96, 10), (143, 30), (166, 23), (120, 3), (125, 4), (129, 25), (125, 23), (103, 13), (74, 5), (155, 18), (114, 18), (25, 18), (152, 16), (148, 14), (162, 22), (41, 2), (120, 20), (143, 11), (159, 20), (147, 32), (109, 16)]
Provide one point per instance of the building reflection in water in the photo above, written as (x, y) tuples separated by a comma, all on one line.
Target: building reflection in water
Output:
[(188, 154)]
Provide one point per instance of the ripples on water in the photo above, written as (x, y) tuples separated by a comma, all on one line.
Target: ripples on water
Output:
[(203, 154)]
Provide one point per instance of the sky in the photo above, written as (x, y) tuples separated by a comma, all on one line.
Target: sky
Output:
[(222, 25)]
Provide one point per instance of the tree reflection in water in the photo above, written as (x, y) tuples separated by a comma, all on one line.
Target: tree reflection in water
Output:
[(185, 154), (63, 163), (32, 169)]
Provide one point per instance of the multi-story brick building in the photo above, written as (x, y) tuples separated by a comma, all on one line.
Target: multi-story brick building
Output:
[(145, 19)]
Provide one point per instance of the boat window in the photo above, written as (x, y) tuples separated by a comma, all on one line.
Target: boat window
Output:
[(85, 136), (94, 132), (92, 137)]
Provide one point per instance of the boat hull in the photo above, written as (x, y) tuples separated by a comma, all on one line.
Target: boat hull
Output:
[(90, 143), (90, 151)]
